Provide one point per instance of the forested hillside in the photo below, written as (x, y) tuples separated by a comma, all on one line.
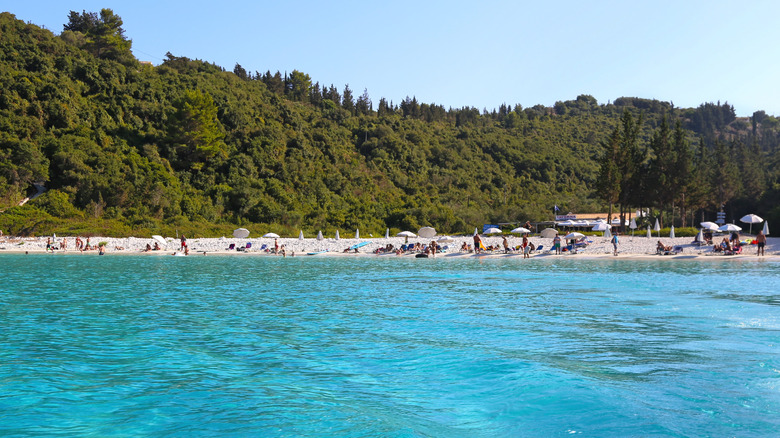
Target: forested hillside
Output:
[(124, 147)]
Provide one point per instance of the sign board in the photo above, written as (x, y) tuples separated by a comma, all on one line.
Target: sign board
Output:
[(565, 217), (721, 218)]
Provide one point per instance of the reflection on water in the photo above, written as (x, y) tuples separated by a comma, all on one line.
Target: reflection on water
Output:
[(386, 346)]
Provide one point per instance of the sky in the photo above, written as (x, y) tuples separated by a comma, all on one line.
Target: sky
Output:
[(469, 53)]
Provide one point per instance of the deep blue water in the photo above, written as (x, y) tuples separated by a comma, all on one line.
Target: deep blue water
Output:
[(382, 346)]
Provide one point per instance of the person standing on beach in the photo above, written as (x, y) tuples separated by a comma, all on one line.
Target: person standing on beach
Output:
[(506, 245), (557, 243), (615, 244), (276, 246), (183, 242), (760, 243), (477, 243)]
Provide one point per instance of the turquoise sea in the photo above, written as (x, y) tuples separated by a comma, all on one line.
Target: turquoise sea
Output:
[(127, 346)]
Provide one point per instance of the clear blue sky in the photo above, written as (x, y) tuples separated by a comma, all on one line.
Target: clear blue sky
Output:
[(469, 53)]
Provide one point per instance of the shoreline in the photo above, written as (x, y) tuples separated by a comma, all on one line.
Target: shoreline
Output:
[(630, 247)]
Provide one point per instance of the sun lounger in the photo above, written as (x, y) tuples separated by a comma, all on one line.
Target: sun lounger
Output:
[(674, 251)]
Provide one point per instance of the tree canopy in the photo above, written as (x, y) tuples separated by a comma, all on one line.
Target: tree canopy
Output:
[(128, 148)]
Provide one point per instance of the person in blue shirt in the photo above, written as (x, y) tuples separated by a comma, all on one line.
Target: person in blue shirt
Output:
[(615, 243)]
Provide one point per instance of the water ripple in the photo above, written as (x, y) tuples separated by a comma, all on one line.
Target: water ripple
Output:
[(247, 346)]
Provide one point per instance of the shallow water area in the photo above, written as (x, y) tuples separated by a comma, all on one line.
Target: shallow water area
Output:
[(384, 346)]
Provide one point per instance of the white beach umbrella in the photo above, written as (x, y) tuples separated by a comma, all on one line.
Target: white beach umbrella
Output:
[(271, 236), (601, 226), (766, 228), (711, 226), (700, 236), (337, 235), (300, 235), (445, 239), (729, 228), (520, 230), (387, 233), (241, 233), (648, 231), (492, 230), (607, 232), (549, 233), (160, 239), (671, 232), (751, 219), (657, 227), (357, 233), (565, 224), (632, 225), (475, 231), (426, 232), (319, 235), (574, 235), (406, 234)]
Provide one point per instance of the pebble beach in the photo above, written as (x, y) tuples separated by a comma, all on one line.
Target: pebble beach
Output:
[(630, 246)]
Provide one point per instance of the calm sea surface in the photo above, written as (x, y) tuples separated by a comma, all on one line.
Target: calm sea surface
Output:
[(381, 346)]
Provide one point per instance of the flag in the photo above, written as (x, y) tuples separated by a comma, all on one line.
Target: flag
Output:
[(556, 209)]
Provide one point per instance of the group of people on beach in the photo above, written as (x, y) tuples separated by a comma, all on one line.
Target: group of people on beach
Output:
[(81, 245), (732, 244)]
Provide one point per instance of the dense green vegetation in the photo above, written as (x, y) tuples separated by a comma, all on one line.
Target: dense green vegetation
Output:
[(128, 148)]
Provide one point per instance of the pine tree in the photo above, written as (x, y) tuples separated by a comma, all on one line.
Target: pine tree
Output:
[(103, 35), (630, 158), (363, 104), (682, 170), (298, 86), (608, 182), (240, 72), (725, 174), (661, 178), (347, 101)]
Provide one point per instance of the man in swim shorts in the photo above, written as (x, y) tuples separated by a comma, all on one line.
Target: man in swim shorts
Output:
[(760, 243)]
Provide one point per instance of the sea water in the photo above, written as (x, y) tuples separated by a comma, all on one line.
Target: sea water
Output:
[(386, 346)]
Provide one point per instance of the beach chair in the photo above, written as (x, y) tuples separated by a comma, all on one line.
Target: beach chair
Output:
[(539, 248), (231, 247)]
